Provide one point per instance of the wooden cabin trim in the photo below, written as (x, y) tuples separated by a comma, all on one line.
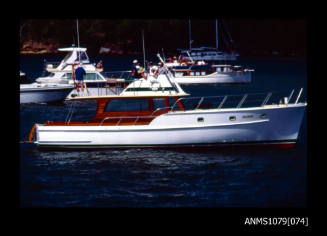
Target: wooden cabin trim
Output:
[(128, 118)]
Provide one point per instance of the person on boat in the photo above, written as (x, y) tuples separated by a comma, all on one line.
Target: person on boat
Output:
[(137, 70), (79, 76), (175, 59), (99, 65), (180, 58), (152, 68), (161, 70)]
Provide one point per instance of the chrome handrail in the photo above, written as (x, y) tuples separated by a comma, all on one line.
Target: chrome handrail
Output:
[(128, 117), (240, 103), (298, 96), (160, 108)]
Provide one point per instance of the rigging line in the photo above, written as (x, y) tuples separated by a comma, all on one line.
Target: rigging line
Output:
[(74, 42), (226, 41), (229, 35)]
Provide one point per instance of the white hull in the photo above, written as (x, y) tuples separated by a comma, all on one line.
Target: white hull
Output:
[(216, 78), (224, 57), (43, 94), (281, 123)]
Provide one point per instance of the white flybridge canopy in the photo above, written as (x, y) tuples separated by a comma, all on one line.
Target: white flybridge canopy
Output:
[(70, 49), (76, 54), (161, 86), (152, 86)]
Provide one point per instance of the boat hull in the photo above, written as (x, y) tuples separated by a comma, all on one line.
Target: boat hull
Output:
[(217, 78), (33, 94), (268, 125)]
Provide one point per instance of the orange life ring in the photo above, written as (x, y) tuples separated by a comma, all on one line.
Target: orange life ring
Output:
[(75, 66)]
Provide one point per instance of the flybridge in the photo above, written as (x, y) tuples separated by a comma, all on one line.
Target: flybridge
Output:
[(70, 49)]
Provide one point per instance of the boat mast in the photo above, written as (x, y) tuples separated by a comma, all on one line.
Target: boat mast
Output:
[(217, 34), (143, 49), (79, 53)]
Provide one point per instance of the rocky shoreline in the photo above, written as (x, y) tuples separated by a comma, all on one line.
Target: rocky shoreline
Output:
[(49, 47), (34, 48)]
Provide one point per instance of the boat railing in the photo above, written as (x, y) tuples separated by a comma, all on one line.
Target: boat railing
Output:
[(122, 118), (160, 108), (237, 101)]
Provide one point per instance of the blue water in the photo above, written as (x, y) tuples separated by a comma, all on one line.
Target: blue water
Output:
[(219, 177)]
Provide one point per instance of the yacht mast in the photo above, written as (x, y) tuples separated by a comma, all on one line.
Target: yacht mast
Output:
[(143, 49), (217, 34), (79, 53)]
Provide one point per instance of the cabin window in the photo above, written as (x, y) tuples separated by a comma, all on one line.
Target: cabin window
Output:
[(263, 116), (132, 105), (200, 119), (84, 56), (172, 101), (159, 103), (232, 118), (90, 76)]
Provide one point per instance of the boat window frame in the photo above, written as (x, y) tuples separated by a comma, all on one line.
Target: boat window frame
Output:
[(149, 106)]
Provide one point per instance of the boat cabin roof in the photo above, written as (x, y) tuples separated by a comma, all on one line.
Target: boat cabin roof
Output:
[(162, 86), (70, 49)]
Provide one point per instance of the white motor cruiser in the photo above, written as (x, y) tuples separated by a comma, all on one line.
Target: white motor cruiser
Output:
[(212, 74), (44, 92), (156, 112), (96, 82)]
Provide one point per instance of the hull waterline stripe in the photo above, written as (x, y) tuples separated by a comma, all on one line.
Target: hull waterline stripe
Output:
[(269, 142)]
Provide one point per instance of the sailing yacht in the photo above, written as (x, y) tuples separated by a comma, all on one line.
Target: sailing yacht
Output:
[(209, 53)]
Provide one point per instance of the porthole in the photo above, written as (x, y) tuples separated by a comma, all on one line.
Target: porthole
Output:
[(232, 118), (200, 119), (263, 116)]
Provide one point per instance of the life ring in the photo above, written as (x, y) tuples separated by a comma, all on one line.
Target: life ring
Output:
[(75, 66)]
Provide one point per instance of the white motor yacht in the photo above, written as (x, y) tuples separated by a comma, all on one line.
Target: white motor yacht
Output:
[(96, 81), (42, 92), (156, 112), (212, 74)]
